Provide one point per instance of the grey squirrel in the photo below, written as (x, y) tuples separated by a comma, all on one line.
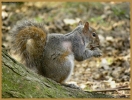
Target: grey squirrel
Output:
[(53, 55)]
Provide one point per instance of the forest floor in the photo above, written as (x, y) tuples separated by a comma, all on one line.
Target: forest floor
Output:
[(109, 73)]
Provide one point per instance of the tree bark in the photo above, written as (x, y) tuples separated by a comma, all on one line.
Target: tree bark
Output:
[(20, 82)]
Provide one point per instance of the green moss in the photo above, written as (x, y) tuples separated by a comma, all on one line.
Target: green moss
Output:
[(20, 82)]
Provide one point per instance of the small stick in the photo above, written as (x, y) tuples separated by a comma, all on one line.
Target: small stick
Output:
[(110, 90)]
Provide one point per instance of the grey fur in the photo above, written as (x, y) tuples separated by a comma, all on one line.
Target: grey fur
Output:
[(59, 53)]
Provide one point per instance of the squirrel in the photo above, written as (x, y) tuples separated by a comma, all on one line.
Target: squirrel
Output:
[(52, 55)]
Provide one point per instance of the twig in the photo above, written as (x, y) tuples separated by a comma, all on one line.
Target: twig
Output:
[(110, 90)]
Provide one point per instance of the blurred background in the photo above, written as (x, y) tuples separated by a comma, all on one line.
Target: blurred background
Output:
[(112, 23)]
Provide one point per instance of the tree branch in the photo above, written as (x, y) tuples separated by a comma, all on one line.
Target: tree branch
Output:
[(20, 82)]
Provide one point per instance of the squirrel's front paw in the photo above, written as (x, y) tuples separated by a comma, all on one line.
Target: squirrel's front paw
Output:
[(97, 52)]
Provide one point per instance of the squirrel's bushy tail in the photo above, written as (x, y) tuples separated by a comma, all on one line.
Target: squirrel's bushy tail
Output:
[(29, 38)]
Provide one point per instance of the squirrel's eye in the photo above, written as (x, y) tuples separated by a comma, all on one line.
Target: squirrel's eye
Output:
[(94, 34)]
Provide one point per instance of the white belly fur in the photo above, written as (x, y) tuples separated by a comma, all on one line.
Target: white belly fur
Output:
[(67, 46), (71, 59)]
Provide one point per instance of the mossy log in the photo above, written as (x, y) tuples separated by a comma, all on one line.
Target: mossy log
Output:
[(20, 82)]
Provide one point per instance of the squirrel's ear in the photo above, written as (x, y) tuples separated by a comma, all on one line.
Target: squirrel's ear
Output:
[(80, 22), (86, 27)]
